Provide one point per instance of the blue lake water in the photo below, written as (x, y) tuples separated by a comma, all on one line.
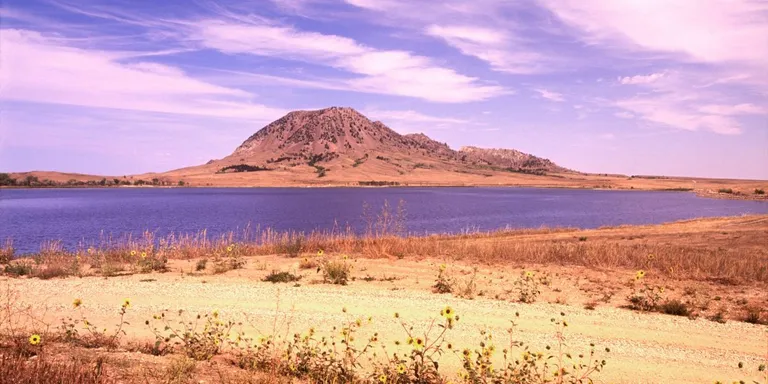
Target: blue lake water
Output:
[(74, 216)]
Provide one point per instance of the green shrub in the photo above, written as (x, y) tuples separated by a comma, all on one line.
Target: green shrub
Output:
[(759, 192), (281, 277), (725, 190)]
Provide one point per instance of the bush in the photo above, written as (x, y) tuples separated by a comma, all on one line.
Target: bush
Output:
[(725, 190), (527, 287), (291, 246), (6, 252), (336, 271), (443, 283), (194, 343), (675, 308), (759, 192), (281, 277), (201, 264), (754, 316), (583, 238), (19, 269), (646, 298)]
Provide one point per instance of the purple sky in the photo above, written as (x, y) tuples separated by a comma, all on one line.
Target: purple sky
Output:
[(671, 87)]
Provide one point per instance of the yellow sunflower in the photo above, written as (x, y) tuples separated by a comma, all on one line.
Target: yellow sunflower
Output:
[(77, 302), (448, 312), (34, 339), (401, 369), (133, 253), (418, 343), (127, 303), (383, 378), (320, 252)]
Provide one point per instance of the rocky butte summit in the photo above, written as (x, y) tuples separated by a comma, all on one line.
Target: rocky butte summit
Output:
[(341, 143)]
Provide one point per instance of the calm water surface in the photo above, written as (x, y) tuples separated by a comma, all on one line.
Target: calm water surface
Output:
[(84, 215)]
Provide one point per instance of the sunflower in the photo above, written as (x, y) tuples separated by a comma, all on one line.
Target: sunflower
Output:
[(34, 339), (215, 314), (466, 353), (418, 343), (320, 252), (77, 302), (640, 274), (383, 378), (143, 255), (230, 248), (409, 341), (447, 312), (126, 303), (133, 253), (401, 369), (529, 274)]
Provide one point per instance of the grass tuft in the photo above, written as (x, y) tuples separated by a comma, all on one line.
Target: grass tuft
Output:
[(281, 277)]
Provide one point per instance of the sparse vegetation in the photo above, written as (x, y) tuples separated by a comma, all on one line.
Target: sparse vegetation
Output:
[(281, 277), (725, 190), (336, 271), (675, 308), (373, 183), (527, 288), (242, 168), (759, 191)]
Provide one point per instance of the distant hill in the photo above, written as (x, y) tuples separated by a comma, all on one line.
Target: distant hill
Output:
[(339, 136)]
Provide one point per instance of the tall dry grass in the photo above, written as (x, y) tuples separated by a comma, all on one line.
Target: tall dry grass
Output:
[(384, 235)]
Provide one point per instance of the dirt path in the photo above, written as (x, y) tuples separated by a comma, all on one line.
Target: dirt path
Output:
[(645, 348)]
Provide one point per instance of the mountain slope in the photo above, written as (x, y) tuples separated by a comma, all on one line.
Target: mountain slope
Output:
[(340, 146)]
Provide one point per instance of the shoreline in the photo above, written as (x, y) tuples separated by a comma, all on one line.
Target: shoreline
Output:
[(703, 193)]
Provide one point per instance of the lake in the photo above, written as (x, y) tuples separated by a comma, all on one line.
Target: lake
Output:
[(31, 216)]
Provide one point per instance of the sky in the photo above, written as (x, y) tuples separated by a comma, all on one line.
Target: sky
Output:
[(637, 87)]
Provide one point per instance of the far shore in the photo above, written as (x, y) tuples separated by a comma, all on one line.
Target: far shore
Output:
[(705, 193)]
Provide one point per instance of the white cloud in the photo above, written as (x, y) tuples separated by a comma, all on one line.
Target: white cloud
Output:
[(738, 109), (641, 79), (549, 95), (720, 52), (497, 48), (40, 69), (721, 31), (409, 116), (624, 115), (383, 71), (665, 110)]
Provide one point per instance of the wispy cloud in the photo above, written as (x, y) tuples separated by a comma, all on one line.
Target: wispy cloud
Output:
[(640, 79), (37, 68), (381, 71), (549, 95), (503, 52)]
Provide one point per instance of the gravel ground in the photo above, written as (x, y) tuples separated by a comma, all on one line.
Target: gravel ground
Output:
[(645, 348)]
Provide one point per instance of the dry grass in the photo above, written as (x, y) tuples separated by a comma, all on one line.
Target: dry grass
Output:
[(732, 250), (20, 370)]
